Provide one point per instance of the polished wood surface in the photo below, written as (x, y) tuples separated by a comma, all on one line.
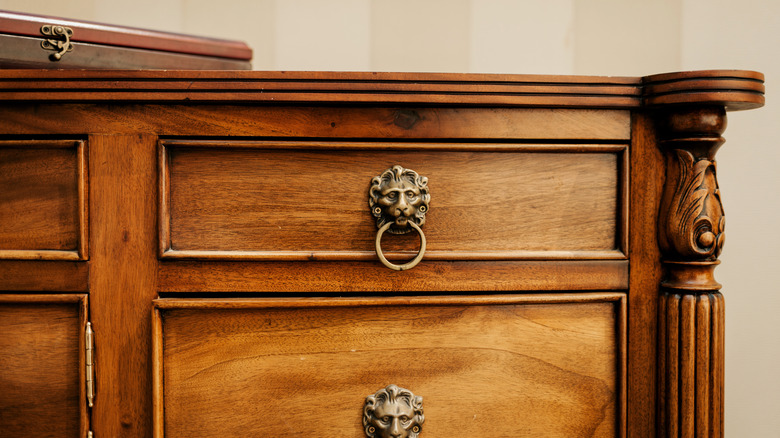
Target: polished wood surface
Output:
[(357, 87), (122, 280), (584, 184), (41, 358), (43, 276), (729, 89), (330, 122), (691, 309), (44, 200), (371, 277), (647, 178), (691, 368), (260, 201), (514, 366)]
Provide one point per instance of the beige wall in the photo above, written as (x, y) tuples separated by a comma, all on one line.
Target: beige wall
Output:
[(607, 37)]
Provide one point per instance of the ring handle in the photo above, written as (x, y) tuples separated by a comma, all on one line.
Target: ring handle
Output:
[(405, 266), (399, 199)]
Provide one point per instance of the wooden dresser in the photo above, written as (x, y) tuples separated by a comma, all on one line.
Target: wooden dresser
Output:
[(197, 254)]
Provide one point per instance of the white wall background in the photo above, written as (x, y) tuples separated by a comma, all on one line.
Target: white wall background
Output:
[(601, 37)]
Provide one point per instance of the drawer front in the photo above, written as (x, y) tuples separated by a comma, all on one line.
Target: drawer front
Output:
[(43, 200), (498, 366), (309, 201), (42, 380)]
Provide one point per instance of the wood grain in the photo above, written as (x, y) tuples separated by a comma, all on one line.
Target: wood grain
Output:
[(122, 280), (273, 204), (41, 355), (731, 89), (288, 87), (329, 277), (507, 369), (610, 129), (691, 348), (339, 122), (43, 199), (691, 234), (43, 276), (646, 182)]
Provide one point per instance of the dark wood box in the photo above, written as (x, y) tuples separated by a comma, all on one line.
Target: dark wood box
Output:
[(33, 41)]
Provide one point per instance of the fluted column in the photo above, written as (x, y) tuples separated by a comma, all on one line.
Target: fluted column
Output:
[(690, 114), (691, 236)]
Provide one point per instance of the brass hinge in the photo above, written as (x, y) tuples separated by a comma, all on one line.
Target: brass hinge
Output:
[(89, 340)]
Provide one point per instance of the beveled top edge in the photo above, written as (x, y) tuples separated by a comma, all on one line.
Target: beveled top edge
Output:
[(352, 88), (732, 89), (705, 74), (324, 76), (351, 76)]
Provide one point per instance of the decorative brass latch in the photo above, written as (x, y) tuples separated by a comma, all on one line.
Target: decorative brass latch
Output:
[(393, 412), (60, 41), (399, 199)]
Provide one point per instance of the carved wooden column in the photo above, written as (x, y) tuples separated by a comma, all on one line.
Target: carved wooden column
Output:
[(691, 235), (690, 118)]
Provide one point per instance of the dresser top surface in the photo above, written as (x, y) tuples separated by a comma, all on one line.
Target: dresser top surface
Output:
[(735, 89)]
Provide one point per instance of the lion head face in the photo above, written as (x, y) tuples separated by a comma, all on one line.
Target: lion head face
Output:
[(393, 412), (399, 195)]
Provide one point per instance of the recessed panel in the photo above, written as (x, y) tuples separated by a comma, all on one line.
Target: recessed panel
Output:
[(42, 200), (41, 380), (310, 202), (499, 367)]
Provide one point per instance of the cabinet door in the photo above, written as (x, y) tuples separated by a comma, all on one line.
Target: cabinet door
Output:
[(42, 361)]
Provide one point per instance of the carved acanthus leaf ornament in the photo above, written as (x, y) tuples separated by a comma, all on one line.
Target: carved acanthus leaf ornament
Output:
[(693, 222)]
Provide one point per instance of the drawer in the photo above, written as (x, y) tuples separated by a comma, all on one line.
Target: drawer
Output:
[(308, 201), (41, 358), (498, 366), (43, 200)]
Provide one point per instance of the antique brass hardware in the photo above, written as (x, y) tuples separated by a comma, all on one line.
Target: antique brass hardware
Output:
[(393, 412), (89, 365), (399, 200), (60, 41)]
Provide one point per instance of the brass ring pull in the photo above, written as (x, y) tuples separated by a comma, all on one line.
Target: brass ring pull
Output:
[(399, 199), (405, 266)]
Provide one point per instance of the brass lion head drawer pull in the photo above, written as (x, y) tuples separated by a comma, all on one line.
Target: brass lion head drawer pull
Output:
[(399, 199), (393, 412)]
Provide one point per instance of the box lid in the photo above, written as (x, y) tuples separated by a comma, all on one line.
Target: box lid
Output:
[(137, 48), (88, 32)]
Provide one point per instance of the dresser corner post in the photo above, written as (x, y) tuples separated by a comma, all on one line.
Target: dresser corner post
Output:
[(691, 310)]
